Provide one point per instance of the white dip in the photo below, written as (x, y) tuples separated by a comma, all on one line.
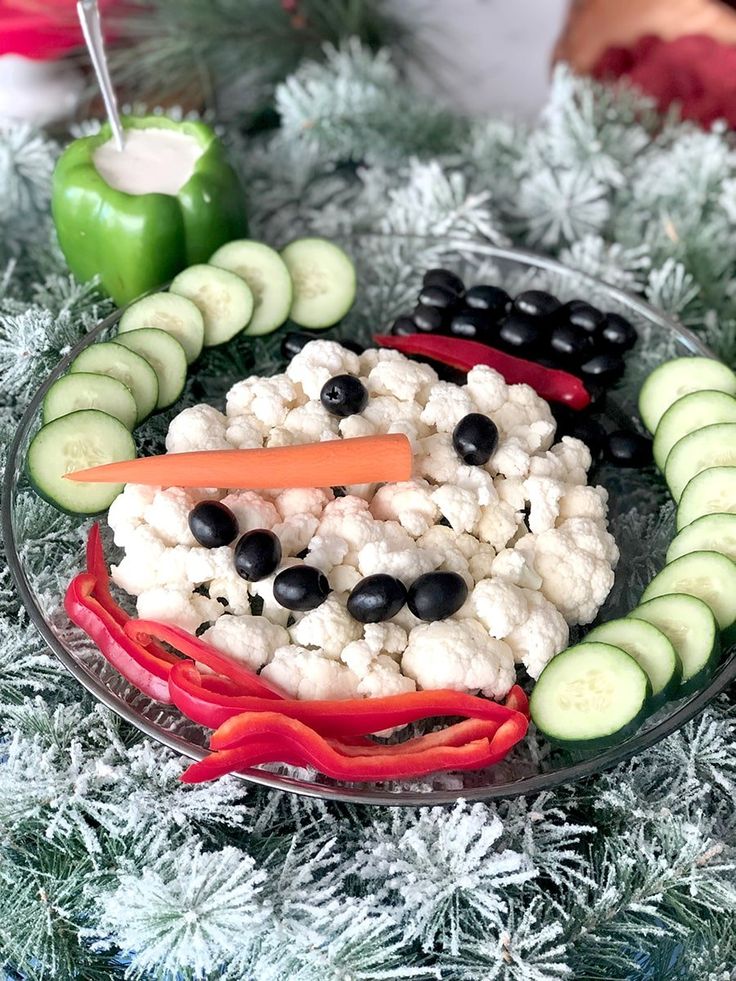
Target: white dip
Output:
[(153, 161)]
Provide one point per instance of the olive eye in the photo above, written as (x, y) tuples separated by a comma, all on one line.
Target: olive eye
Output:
[(437, 595), (475, 439), (344, 395), (213, 524)]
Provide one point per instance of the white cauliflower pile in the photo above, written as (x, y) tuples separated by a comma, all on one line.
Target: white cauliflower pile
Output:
[(524, 531)]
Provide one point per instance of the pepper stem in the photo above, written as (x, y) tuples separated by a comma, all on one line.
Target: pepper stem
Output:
[(88, 12)]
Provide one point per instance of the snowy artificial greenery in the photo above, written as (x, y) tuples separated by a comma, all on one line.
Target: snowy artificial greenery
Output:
[(110, 868)]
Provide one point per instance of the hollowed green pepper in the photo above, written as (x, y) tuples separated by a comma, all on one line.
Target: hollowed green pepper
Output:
[(135, 242)]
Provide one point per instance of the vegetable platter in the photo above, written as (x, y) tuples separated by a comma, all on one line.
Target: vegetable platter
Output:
[(610, 399)]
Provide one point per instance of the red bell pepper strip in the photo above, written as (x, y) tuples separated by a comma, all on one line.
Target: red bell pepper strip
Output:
[(249, 682), (550, 383), (135, 663)]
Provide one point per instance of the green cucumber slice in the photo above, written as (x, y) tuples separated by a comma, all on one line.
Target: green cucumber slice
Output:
[(116, 361), (711, 533), (713, 491), (266, 274), (686, 415), (324, 282), (713, 446), (84, 390), (692, 630), (674, 379), (86, 438), (651, 650), (224, 300), (175, 314), (165, 355), (590, 695), (709, 576)]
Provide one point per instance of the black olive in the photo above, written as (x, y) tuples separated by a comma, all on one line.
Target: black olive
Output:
[(581, 314), (301, 587), (617, 332), (428, 319), (475, 439), (472, 324), (603, 367), (492, 299), (257, 554), (344, 395), (213, 524), (519, 333), (403, 326), (445, 278), (571, 423), (628, 449), (295, 340), (571, 342), (376, 598), (437, 296), (536, 303), (437, 595)]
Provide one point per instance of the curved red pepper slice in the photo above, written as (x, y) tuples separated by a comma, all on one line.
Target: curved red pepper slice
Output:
[(135, 663), (550, 383)]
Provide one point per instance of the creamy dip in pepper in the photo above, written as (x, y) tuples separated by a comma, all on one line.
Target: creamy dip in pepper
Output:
[(153, 161)]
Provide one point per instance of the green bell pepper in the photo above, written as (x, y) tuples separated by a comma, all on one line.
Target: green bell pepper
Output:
[(135, 242)]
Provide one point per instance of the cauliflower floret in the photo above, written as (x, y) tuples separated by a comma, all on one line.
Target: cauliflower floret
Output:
[(486, 388), (458, 505), (344, 578), (243, 435), (446, 406), (385, 638), (279, 436), (514, 566), (246, 639), (542, 635), (526, 416), (302, 500), (168, 515), (327, 551), (234, 590), (406, 564), (574, 562), (204, 564), (437, 459), (263, 402), (458, 654), (295, 533), (498, 524), (310, 674), (148, 563), (375, 355), (511, 490), (349, 519), (378, 674), (499, 606), (568, 461), (581, 501), (251, 510), (463, 553), (311, 423), (406, 380), (480, 565), (180, 607), (511, 459), (544, 496), (329, 627), (126, 511), (409, 502), (385, 413), (317, 362), (356, 425), (200, 427)]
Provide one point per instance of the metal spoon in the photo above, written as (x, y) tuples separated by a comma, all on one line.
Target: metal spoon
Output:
[(89, 17)]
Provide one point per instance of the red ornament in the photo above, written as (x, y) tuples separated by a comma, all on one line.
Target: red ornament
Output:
[(43, 31)]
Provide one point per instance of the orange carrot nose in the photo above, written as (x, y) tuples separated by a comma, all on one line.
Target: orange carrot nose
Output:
[(360, 460)]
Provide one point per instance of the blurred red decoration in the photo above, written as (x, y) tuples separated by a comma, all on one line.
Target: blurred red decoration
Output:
[(40, 29)]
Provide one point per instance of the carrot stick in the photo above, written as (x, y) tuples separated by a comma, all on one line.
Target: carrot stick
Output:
[(360, 460)]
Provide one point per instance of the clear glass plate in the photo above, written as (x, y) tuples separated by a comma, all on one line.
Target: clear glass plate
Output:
[(44, 550)]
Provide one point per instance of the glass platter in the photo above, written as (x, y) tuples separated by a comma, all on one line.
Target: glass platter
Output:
[(41, 568)]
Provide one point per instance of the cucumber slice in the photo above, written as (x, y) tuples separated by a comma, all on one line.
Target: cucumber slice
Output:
[(674, 379), (713, 446), (689, 624), (591, 694), (130, 368), (165, 355), (175, 314), (224, 300), (709, 576), (711, 533), (651, 650), (86, 438), (86, 391), (712, 491), (266, 274), (694, 411), (324, 282)]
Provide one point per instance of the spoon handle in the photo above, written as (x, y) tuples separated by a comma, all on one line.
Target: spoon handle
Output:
[(89, 17)]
